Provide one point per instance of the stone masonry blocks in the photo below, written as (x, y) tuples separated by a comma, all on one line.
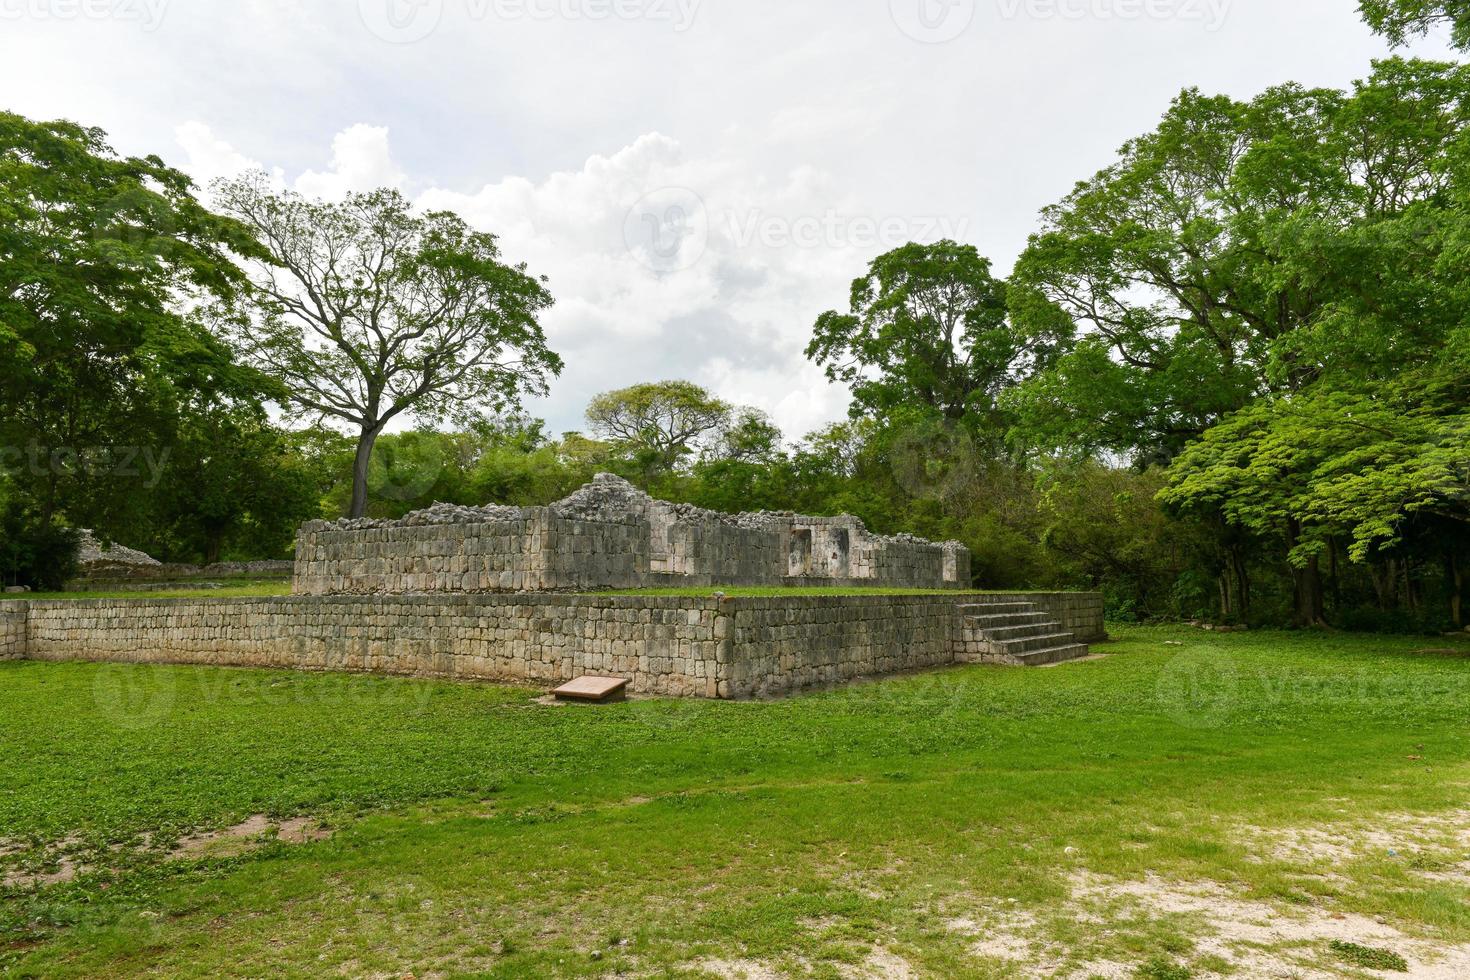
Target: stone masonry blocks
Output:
[(669, 646)]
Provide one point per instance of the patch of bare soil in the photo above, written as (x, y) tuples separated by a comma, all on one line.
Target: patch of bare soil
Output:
[(245, 836), (1400, 835), (57, 865), (1255, 938), (68, 859), (881, 964)]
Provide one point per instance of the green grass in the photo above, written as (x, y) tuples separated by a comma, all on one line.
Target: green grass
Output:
[(1369, 958), (482, 832), (777, 591), (233, 590)]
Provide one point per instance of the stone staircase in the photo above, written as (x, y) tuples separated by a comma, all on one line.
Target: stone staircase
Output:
[(1006, 630)]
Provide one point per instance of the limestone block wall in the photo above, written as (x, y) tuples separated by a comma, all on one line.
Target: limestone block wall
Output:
[(609, 535), (13, 616), (665, 646), (787, 644), (679, 647)]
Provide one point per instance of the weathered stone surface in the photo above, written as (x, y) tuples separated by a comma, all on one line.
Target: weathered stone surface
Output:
[(13, 617), (609, 535), (90, 552), (678, 647)]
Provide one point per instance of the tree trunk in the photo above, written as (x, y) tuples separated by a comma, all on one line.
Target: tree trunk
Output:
[(1310, 611), (1242, 581), (365, 443), (1457, 597)]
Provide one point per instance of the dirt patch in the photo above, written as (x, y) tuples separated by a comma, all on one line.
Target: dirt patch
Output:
[(56, 865), (245, 836), (1255, 938), (880, 964), (71, 858), (303, 830), (740, 970), (1399, 835)]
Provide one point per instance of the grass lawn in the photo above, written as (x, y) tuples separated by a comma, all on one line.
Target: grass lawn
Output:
[(233, 590), (1191, 805), (776, 591)]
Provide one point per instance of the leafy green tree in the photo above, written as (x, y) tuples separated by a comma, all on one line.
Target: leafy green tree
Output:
[(102, 260), (1334, 464), (927, 328), (1234, 262), (368, 311), (1400, 20), (235, 488), (1206, 267), (660, 425), (1106, 528)]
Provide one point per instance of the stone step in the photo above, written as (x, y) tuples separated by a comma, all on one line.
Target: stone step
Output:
[(1007, 634), (1005, 620), (1053, 655), (1039, 641), (998, 608)]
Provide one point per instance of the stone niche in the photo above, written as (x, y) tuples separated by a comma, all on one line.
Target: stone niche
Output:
[(610, 535)]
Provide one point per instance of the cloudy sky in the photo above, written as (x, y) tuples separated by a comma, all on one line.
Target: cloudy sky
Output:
[(698, 178)]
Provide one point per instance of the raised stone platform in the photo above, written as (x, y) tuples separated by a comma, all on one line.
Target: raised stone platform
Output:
[(682, 647)]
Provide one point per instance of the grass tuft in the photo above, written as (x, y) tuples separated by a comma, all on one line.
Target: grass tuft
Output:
[(1369, 958)]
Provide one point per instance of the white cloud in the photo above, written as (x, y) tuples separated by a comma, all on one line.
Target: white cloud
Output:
[(710, 300), (361, 161), (813, 134), (207, 157)]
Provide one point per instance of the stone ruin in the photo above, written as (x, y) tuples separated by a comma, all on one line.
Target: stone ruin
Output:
[(611, 535)]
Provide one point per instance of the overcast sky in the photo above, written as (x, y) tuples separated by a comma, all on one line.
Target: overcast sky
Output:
[(700, 179)]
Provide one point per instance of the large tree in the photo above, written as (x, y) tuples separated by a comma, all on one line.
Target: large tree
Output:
[(926, 328), (660, 424), (369, 310), (1245, 252), (103, 258)]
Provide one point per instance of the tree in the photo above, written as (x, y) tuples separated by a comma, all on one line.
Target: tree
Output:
[(368, 310), (1400, 20), (926, 327), (1238, 256), (234, 483), (1204, 268), (1334, 463), (660, 424), (103, 258), (747, 436)]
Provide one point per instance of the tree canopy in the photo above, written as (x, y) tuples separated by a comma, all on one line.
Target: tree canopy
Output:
[(104, 261), (1400, 20), (926, 329), (367, 310)]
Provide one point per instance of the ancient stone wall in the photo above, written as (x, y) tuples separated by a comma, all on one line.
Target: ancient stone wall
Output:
[(665, 646), (13, 617), (609, 535), (683, 647), (788, 644)]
